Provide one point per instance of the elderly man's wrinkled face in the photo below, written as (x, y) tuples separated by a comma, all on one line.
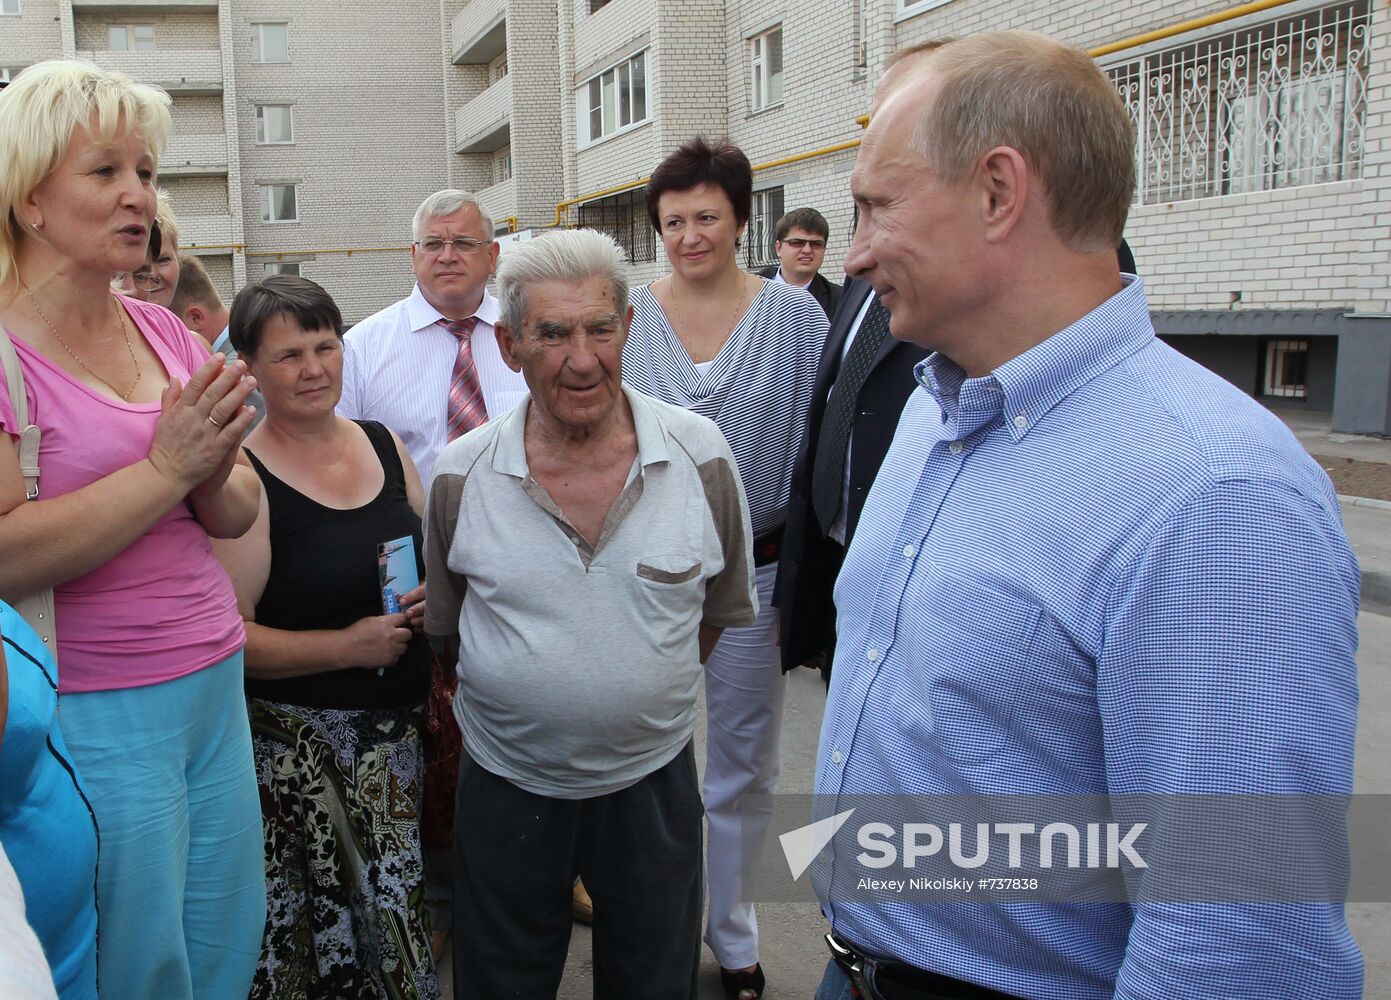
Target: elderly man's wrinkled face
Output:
[(569, 351)]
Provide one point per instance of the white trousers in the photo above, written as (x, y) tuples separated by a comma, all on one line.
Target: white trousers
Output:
[(744, 693)]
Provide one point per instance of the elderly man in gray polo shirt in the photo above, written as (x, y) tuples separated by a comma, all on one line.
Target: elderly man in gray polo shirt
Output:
[(583, 554)]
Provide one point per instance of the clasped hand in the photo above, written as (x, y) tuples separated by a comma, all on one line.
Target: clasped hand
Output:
[(201, 424)]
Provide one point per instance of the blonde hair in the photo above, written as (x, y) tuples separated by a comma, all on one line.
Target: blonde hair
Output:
[(1049, 102), (40, 111), (168, 224)]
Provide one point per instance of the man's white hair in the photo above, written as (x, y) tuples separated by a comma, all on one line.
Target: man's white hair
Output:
[(567, 255), (447, 202)]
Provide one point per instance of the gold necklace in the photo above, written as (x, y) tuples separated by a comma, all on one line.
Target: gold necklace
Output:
[(733, 320), (125, 396)]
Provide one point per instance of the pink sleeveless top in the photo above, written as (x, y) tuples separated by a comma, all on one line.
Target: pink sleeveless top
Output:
[(163, 607)]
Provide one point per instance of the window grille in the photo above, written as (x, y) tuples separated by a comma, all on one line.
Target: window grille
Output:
[(1286, 369), (1273, 105), (760, 236), (624, 217)]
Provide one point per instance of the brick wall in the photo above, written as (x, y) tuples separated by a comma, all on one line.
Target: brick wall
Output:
[(32, 37)]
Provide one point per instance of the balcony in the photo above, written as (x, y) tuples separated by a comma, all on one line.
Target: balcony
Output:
[(143, 6), (500, 200), (182, 71), (194, 156), (204, 230), (479, 32), (481, 125)]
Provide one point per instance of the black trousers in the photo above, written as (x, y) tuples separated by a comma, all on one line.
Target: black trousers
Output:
[(517, 855)]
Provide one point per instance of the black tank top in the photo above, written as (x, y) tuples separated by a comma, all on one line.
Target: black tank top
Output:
[(323, 575)]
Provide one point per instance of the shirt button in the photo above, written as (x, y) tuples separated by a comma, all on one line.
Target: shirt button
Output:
[(872, 655), (1021, 421), (836, 757), (909, 551), (956, 447)]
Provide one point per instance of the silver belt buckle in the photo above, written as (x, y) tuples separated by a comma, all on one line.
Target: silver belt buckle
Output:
[(857, 968)]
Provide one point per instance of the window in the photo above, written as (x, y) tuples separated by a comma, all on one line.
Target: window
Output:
[(765, 69), (760, 236), (130, 37), (270, 43), (274, 124), (1270, 105), (282, 267), (1286, 369), (279, 203), (502, 165), (594, 5), (907, 8), (9, 7), (497, 69), (616, 99), (624, 217)]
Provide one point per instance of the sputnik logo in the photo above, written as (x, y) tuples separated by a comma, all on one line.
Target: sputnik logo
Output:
[(801, 846)]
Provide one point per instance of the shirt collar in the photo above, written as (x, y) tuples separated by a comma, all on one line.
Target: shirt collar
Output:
[(509, 455), (1025, 388), (224, 339), (420, 314)]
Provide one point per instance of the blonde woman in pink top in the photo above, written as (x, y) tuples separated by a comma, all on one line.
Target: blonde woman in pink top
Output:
[(140, 463)]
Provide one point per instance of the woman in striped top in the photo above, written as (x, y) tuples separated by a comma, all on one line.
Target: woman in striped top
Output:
[(742, 351)]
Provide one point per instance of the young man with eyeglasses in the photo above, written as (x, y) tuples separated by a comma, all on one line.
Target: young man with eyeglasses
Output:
[(429, 368), (801, 237)]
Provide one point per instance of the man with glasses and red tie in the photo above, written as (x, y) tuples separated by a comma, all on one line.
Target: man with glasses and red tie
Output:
[(801, 237), (429, 368)]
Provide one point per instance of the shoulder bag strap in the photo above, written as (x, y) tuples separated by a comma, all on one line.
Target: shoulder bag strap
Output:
[(28, 443), (37, 609)]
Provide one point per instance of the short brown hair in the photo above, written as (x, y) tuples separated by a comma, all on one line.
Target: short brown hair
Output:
[(809, 220), (1051, 103), (194, 288), (280, 295), (697, 162)]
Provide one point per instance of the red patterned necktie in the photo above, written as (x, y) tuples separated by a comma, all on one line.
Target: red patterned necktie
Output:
[(466, 409)]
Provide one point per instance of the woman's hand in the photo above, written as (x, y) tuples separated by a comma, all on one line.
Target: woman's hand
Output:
[(201, 424), (413, 604), (376, 641)]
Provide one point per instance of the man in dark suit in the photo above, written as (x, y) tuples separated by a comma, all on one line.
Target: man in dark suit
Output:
[(864, 379), (801, 246)]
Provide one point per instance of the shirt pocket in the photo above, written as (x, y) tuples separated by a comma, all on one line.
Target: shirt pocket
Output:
[(974, 658), (668, 569), (670, 596)]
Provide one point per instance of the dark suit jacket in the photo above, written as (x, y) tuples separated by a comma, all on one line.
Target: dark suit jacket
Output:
[(809, 562), (827, 293)]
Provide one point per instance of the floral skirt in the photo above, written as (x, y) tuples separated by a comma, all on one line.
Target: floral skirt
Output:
[(345, 896)]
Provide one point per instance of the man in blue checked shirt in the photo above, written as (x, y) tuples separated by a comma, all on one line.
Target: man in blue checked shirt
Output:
[(1088, 566)]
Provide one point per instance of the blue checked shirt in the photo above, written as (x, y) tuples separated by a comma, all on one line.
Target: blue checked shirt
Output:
[(1100, 569)]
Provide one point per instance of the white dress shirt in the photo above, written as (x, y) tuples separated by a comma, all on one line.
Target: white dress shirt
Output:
[(397, 366)]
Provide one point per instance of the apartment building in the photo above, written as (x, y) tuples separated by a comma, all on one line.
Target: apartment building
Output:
[(307, 132), (304, 134)]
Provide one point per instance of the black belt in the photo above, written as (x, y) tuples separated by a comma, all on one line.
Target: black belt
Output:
[(768, 547), (881, 979)]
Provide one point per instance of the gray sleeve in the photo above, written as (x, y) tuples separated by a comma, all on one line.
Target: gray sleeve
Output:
[(444, 590), (730, 597)]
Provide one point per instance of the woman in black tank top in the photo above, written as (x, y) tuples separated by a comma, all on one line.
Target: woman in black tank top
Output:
[(335, 682)]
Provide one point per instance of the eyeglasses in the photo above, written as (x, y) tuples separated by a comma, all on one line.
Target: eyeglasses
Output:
[(461, 244), (796, 243), (146, 281)]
